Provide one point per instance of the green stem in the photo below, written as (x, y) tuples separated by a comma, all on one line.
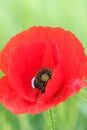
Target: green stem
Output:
[(52, 119)]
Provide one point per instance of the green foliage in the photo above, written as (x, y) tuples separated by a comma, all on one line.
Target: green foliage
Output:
[(18, 15)]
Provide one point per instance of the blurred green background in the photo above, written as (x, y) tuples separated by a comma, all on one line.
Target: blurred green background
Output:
[(18, 15)]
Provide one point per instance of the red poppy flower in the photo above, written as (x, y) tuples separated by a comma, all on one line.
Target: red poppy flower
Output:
[(43, 67)]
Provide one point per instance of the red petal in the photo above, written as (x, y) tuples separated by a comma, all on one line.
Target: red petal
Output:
[(11, 99), (51, 56), (68, 89), (24, 63), (23, 37), (33, 35), (73, 59), (63, 94)]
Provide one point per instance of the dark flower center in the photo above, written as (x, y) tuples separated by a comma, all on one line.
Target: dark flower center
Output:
[(42, 78)]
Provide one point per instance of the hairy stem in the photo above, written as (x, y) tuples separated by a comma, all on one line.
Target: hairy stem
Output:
[(52, 119)]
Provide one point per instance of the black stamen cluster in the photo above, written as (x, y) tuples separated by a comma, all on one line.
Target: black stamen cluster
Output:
[(38, 83)]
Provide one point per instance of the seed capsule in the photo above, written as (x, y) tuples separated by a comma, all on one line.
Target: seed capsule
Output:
[(44, 78)]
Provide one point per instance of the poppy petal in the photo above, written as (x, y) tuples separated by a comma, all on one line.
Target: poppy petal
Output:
[(32, 35), (73, 59), (11, 99), (68, 89), (24, 63)]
